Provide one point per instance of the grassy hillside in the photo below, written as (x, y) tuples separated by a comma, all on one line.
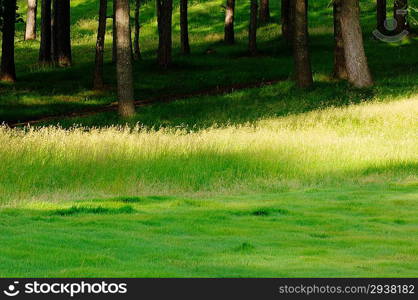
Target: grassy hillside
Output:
[(70, 89)]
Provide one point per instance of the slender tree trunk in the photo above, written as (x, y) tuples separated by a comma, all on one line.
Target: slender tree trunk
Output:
[(124, 59), (252, 31), (7, 69), (264, 11), (114, 32), (164, 12), (98, 82), (53, 29), (62, 28), (355, 57), (229, 22), (184, 28), (137, 49), (401, 16), (381, 15), (340, 70), (286, 22), (303, 72), (45, 55), (30, 32)]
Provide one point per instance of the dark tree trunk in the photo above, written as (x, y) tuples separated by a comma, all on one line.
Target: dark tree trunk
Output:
[(286, 22), (229, 22), (53, 29), (381, 15), (303, 71), (30, 32), (264, 11), (45, 55), (7, 70), (137, 49), (355, 57), (62, 50), (340, 70), (252, 31), (184, 28), (401, 16), (114, 32), (98, 82), (164, 16), (124, 59)]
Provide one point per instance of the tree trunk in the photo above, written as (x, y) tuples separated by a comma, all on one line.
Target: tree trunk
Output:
[(303, 72), (229, 22), (98, 82), (355, 56), (62, 51), (124, 59), (401, 15), (381, 15), (356, 62), (53, 30), (184, 28), (7, 70), (164, 16), (340, 70), (45, 55), (114, 32), (264, 11), (30, 32), (137, 49), (252, 31), (286, 22)]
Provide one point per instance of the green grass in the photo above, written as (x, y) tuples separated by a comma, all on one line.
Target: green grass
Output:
[(70, 89), (260, 182), (348, 232)]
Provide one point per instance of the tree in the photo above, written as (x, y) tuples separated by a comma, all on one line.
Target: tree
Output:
[(7, 69), (30, 32), (355, 57), (137, 49), (45, 55), (400, 12), (184, 28), (252, 31), (303, 71), (381, 15), (164, 17), (229, 22), (264, 11), (62, 33), (98, 82), (340, 69), (114, 32), (53, 29), (285, 20), (124, 59)]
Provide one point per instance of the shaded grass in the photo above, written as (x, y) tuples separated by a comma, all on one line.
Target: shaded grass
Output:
[(70, 89)]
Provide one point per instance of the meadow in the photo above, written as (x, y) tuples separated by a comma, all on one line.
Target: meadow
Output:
[(270, 181)]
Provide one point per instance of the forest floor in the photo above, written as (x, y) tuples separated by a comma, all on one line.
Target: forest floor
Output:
[(265, 181)]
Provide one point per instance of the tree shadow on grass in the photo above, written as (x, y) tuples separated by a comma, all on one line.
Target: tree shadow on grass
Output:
[(59, 91)]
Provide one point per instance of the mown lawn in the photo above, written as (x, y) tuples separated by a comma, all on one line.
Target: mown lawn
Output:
[(345, 232)]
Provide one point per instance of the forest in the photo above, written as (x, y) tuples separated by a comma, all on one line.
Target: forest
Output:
[(209, 138)]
